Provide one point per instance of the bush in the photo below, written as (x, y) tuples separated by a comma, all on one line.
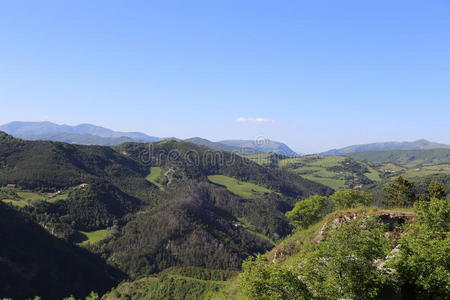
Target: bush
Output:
[(350, 199), (424, 261), (309, 211), (264, 280)]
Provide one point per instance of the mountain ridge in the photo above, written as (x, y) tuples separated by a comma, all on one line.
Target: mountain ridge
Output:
[(263, 145), (46, 129), (89, 134), (421, 144)]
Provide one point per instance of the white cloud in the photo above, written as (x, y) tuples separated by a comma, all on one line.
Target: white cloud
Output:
[(255, 120)]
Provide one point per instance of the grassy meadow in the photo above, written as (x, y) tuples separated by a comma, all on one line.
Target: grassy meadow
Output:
[(243, 189)]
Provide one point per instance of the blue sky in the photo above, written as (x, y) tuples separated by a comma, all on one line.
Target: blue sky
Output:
[(316, 74)]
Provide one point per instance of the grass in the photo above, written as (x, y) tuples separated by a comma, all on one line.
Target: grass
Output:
[(93, 237), (171, 286), (243, 189), (27, 197), (427, 171), (316, 168), (18, 203), (334, 183), (31, 196), (155, 175), (373, 175)]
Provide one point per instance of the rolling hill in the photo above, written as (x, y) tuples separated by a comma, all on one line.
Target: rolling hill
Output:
[(406, 158), (386, 146), (336, 172)]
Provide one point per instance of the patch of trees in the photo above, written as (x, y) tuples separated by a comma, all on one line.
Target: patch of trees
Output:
[(93, 207), (403, 193), (310, 210)]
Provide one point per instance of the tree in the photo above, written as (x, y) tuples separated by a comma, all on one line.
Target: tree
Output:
[(424, 261), (434, 215), (265, 280), (342, 266), (350, 199), (436, 190), (309, 211), (399, 193)]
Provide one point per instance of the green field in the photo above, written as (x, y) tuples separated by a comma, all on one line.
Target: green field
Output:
[(427, 171), (337, 172), (23, 198), (155, 176), (170, 286), (243, 189), (342, 172), (93, 237)]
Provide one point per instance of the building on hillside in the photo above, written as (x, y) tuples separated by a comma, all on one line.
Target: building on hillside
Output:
[(11, 186)]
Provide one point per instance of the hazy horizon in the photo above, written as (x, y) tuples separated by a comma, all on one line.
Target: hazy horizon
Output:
[(314, 75), (233, 138)]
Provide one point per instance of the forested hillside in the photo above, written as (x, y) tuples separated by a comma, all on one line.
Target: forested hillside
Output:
[(33, 262), (104, 199)]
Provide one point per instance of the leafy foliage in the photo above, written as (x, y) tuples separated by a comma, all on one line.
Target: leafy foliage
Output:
[(399, 193), (342, 265), (266, 281), (350, 199), (308, 211), (424, 261), (436, 190), (339, 267)]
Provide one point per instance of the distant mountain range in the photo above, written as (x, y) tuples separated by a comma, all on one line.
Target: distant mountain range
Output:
[(405, 158), (88, 134), (220, 146), (245, 146), (386, 146), (264, 145), (85, 134)]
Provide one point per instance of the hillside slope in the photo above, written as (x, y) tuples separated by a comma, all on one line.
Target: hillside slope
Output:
[(32, 262)]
